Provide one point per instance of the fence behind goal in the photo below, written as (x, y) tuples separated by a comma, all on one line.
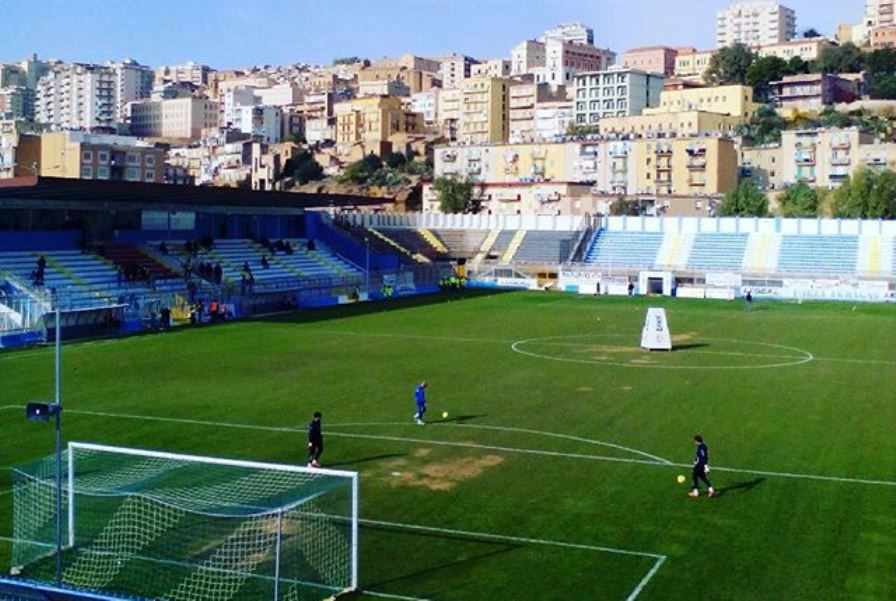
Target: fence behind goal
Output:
[(183, 528)]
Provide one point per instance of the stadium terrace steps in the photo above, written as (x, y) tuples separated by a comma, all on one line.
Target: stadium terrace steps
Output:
[(415, 243), (388, 239), (762, 253), (546, 246), (122, 256), (513, 246), (819, 254), (875, 256), (462, 243), (625, 249), (724, 252), (486, 246), (675, 250), (433, 240)]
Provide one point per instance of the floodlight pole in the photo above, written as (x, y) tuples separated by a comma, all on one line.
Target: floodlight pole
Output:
[(367, 264), (59, 447)]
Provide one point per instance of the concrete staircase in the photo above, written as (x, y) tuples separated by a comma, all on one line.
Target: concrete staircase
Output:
[(486, 246), (433, 240), (514, 245), (675, 250), (416, 256), (762, 253), (875, 256)]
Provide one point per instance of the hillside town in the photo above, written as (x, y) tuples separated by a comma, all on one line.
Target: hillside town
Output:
[(774, 120)]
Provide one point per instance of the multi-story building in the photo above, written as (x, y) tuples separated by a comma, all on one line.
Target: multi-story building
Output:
[(384, 87), (571, 32), (188, 72), (653, 59), (526, 57), (484, 111), (455, 68), (615, 92), (13, 103), (283, 94), (78, 97), (416, 80), (233, 100), (692, 64), (133, 81), (813, 91), (763, 165), (857, 33), (9, 143), (78, 155), (183, 118), (449, 112), (564, 59), (807, 49), (725, 100), (320, 123), (686, 166), (685, 123), (427, 104), (883, 37), (553, 119), (496, 67), (525, 98), (409, 62), (757, 23), (822, 157), (373, 124), (879, 13), (263, 123)]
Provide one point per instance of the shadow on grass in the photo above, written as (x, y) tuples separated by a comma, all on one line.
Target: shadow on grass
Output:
[(367, 459), (687, 347), (745, 486), (460, 419)]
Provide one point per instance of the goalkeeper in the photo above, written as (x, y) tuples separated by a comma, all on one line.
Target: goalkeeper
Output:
[(315, 441), (701, 468)]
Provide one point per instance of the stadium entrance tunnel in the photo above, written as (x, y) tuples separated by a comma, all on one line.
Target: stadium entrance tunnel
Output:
[(688, 352)]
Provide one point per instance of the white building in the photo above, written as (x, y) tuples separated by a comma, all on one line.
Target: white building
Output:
[(552, 119), (564, 59), (188, 72), (233, 100), (262, 122), (760, 23), (383, 87), (284, 94), (455, 68), (571, 32), (174, 118), (496, 67), (616, 92), (133, 81), (77, 97), (879, 13), (427, 104), (527, 56)]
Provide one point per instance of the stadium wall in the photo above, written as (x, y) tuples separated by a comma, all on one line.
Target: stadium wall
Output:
[(749, 225), (40, 240), (481, 221), (318, 227)]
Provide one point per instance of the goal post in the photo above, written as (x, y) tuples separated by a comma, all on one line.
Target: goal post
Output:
[(183, 527)]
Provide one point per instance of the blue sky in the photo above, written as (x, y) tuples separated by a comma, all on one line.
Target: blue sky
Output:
[(233, 33)]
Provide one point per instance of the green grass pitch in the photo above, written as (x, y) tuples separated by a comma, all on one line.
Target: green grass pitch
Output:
[(554, 476)]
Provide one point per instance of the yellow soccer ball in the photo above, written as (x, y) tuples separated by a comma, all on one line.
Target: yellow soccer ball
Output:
[(444, 414), (681, 479)]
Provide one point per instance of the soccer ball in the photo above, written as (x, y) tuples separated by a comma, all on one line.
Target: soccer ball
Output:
[(444, 414), (680, 479)]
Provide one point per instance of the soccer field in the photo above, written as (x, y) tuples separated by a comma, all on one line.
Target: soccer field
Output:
[(554, 475)]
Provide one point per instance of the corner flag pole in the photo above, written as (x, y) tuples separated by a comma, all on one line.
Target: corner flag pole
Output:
[(59, 448)]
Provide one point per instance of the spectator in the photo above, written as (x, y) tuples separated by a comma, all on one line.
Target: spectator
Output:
[(191, 288), (219, 274), (264, 262), (288, 247), (310, 246), (165, 314), (163, 248), (631, 289)]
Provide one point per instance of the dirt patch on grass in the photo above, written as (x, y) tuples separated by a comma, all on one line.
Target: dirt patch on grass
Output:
[(441, 476), (585, 389), (422, 452), (626, 388), (685, 337), (641, 361)]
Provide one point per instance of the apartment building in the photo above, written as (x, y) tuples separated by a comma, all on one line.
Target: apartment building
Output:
[(78, 155), (416, 80), (725, 100), (615, 92), (179, 118), (659, 60), (525, 98), (78, 97), (553, 119), (685, 123), (14, 102), (564, 59), (883, 37), (879, 13), (527, 57), (813, 91), (385, 87), (263, 123), (233, 100), (691, 64), (455, 68), (366, 125), (758, 23), (409, 62), (806, 49), (427, 105), (189, 72), (282, 94), (685, 166), (496, 67), (449, 112), (484, 110), (763, 166), (133, 81), (823, 157)]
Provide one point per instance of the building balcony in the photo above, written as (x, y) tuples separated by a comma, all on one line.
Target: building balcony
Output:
[(841, 144), (663, 151), (697, 165), (841, 161), (697, 183), (805, 159), (665, 181), (663, 168), (807, 178), (618, 152), (697, 150)]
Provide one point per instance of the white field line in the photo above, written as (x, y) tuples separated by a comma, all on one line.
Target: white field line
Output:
[(582, 456), (640, 587)]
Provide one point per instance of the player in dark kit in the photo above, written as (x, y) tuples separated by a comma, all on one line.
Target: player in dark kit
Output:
[(315, 441), (420, 399), (701, 468)]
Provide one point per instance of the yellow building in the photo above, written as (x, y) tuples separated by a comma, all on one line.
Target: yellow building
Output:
[(725, 100), (484, 110), (366, 125), (693, 65), (77, 155), (698, 166), (685, 123)]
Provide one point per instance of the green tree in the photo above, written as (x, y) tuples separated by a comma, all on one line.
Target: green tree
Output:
[(799, 200), (831, 117), (866, 194), (763, 71), (395, 160), (730, 65), (811, 33), (457, 195), (883, 87), (764, 127), (347, 60), (620, 207), (847, 58), (746, 200), (796, 66), (308, 171), (362, 171)]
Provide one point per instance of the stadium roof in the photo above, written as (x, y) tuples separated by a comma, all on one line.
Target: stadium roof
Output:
[(60, 193)]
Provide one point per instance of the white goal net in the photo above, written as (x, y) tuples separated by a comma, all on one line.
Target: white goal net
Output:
[(185, 528)]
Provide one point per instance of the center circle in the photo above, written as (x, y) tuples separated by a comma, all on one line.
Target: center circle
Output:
[(721, 353)]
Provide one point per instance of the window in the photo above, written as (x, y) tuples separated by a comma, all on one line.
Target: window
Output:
[(102, 157), (133, 159), (87, 156), (149, 175), (150, 160), (132, 174), (86, 172)]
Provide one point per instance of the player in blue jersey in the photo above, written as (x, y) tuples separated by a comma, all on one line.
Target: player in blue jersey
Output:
[(701, 468), (420, 399)]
